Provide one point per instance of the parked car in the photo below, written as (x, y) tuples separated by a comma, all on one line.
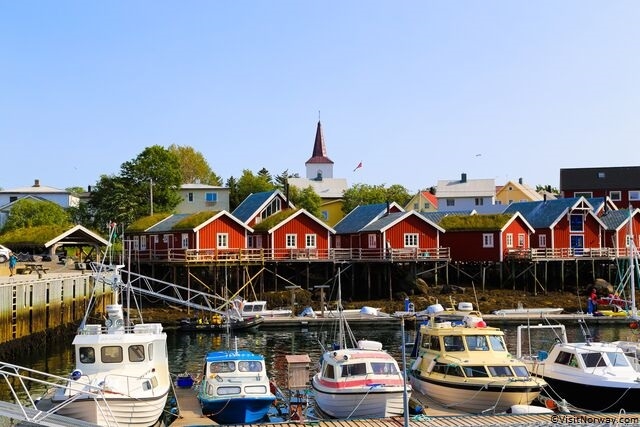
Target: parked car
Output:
[(4, 253)]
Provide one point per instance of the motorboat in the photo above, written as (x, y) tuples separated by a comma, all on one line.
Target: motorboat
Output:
[(520, 310), (220, 324), (125, 364), (585, 375), (358, 379), (235, 388), (249, 309), (464, 364)]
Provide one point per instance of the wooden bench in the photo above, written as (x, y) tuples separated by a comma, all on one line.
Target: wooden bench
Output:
[(35, 268)]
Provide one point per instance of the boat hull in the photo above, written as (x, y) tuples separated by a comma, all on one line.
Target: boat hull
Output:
[(236, 410), (370, 402), (248, 324), (595, 397), (478, 397), (142, 412)]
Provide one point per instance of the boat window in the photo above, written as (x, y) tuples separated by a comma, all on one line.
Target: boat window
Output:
[(446, 369), (497, 343), (255, 389), (354, 369), (592, 359), (453, 343), (87, 355), (328, 371), (111, 354), (383, 368), (475, 371), (500, 371), (617, 359), (477, 343), (565, 358), (224, 391), (218, 367), (433, 343), (136, 353), (252, 366), (521, 371), (150, 351)]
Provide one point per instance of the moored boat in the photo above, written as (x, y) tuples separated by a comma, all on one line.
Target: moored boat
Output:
[(220, 324), (464, 364), (235, 388), (359, 379)]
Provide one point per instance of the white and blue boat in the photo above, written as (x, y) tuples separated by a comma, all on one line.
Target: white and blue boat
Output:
[(235, 388)]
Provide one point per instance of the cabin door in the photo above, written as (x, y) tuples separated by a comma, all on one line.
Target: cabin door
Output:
[(577, 245)]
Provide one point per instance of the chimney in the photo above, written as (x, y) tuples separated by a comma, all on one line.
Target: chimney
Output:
[(36, 183), (463, 178), (89, 189), (520, 180), (388, 208)]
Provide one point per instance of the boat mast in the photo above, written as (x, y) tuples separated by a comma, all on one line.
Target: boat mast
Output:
[(342, 339), (632, 265)]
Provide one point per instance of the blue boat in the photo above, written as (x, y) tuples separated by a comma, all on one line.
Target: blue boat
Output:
[(235, 388)]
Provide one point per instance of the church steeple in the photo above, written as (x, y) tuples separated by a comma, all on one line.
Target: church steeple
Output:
[(319, 165)]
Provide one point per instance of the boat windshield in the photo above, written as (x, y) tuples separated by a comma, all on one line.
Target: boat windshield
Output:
[(593, 359), (477, 343), (453, 343), (617, 358), (217, 367), (497, 343)]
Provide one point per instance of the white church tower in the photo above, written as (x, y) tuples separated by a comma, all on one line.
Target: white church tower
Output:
[(319, 166)]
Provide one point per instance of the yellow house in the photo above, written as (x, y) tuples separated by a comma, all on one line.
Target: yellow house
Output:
[(514, 191), (424, 201), (331, 211)]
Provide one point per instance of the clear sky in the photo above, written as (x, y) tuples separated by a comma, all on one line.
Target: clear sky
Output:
[(418, 91)]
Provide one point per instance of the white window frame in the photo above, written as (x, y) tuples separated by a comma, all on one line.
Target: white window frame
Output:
[(634, 195), (411, 240), (521, 240), (190, 197), (585, 194), (487, 240), (211, 197), (185, 240), (222, 240), (291, 241), (451, 202), (310, 241), (542, 240), (479, 201), (136, 243), (616, 195), (509, 240), (372, 241), (143, 243)]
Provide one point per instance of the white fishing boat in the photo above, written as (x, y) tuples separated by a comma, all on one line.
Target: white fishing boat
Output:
[(464, 364), (125, 363), (528, 311), (358, 379), (250, 309)]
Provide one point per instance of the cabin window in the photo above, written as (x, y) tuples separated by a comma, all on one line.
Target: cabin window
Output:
[(225, 391), (87, 355), (252, 366), (150, 350), (433, 343), (354, 369), (411, 240), (446, 369), (383, 368), (521, 240), (634, 195), (328, 372), (221, 367), (222, 240), (453, 343), (497, 343), (324, 215), (615, 196), (487, 240), (585, 194), (143, 243), (509, 240), (617, 359), (500, 371), (479, 201), (185, 241), (372, 241), (310, 240), (111, 354), (190, 197), (272, 208), (568, 359), (255, 389), (210, 197), (451, 202), (628, 240), (291, 241), (136, 243), (136, 353), (521, 371), (542, 241), (592, 359), (475, 371), (477, 343)]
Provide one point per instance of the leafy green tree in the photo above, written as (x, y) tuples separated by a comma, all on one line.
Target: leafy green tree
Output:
[(281, 181), (26, 213), (250, 183), (193, 166), (111, 201), (547, 188), (266, 175), (307, 199), (81, 214), (75, 190), (364, 194), (234, 197)]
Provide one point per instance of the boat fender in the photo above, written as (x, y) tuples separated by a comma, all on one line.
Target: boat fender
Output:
[(432, 364), (416, 364), (76, 375)]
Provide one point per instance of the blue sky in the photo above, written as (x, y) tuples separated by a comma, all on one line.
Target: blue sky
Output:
[(417, 90)]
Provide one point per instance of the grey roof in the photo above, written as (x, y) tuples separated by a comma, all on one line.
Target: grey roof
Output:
[(167, 224), (466, 188), (383, 221), (589, 179), (436, 217), (614, 219), (359, 218), (251, 204), (542, 214)]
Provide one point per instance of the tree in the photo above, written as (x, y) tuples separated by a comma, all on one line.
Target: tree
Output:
[(193, 166), (75, 190), (281, 181), (266, 175), (547, 188), (364, 194), (234, 197), (26, 213), (250, 183), (307, 199)]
